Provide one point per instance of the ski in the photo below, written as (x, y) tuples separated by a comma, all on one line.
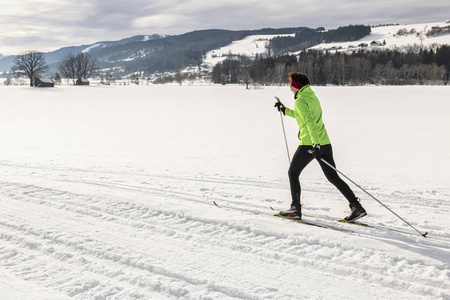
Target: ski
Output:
[(311, 223), (358, 223), (354, 223), (378, 227), (324, 225), (304, 222)]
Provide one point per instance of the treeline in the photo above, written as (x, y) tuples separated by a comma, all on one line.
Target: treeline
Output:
[(387, 67)]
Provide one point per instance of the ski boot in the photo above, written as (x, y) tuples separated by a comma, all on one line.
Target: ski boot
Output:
[(295, 212), (357, 212)]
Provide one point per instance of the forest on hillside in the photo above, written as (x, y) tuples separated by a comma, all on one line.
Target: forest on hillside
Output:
[(179, 52), (308, 37), (387, 67)]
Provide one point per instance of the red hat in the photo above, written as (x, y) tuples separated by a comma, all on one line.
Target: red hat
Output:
[(295, 84)]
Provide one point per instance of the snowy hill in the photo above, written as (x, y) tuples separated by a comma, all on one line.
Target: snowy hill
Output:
[(250, 46), (133, 39), (396, 36), (381, 37), (54, 57)]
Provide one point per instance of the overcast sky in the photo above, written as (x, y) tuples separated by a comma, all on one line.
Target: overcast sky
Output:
[(47, 25)]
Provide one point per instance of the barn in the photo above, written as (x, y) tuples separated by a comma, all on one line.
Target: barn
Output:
[(82, 81), (44, 82)]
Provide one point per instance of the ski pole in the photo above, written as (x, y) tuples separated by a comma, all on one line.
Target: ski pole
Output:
[(422, 234), (284, 132)]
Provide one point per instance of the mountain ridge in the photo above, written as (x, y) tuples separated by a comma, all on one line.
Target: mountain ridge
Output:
[(129, 53), (148, 54)]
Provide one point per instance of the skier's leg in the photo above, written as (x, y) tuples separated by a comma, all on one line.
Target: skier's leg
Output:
[(300, 160), (326, 152)]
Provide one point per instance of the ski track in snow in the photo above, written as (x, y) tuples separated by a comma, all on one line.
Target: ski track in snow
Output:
[(102, 198), (124, 234)]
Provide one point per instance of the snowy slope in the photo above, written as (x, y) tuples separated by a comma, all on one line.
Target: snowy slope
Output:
[(257, 44), (106, 193), (249, 46), (416, 35)]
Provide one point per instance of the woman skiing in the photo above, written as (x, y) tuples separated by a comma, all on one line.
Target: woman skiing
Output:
[(314, 143)]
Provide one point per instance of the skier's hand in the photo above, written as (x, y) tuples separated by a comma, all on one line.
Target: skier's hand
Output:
[(315, 151), (280, 106)]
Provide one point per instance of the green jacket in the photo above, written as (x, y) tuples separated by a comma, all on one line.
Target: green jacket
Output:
[(308, 114)]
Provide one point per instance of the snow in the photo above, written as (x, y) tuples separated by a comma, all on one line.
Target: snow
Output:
[(393, 40), (97, 45), (254, 45), (249, 46), (46, 80), (106, 192)]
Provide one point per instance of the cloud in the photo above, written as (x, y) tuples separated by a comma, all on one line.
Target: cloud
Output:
[(47, 25), (167, 22)]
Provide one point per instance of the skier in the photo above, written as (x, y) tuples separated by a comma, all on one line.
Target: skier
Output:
[(314, 143)]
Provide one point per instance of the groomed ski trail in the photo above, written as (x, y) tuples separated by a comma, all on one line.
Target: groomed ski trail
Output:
[(99, 233)]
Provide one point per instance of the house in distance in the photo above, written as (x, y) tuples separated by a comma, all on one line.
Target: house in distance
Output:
[(82, 81), (44, 82)]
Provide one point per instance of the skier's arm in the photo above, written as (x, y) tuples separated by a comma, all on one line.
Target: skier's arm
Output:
[(289, 112), (303, 111)]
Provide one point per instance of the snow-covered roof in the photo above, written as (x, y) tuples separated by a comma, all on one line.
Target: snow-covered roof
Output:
[(46, 80)]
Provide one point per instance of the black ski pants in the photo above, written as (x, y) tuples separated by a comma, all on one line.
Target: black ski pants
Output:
[(302, 158)]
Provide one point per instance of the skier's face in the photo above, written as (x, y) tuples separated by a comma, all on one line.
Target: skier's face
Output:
[(291, 85), (293, 89)]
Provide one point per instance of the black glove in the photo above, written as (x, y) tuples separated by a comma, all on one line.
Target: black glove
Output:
[(315, 151), (280, 106)]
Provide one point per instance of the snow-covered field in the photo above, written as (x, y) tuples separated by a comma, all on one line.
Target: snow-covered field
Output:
[(107, 193)]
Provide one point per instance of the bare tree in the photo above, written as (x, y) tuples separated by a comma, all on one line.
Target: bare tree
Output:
[(67, 67), (280, 73), (78, 67), (244, 76), (30, 64), (86, 65), (179, 78)]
